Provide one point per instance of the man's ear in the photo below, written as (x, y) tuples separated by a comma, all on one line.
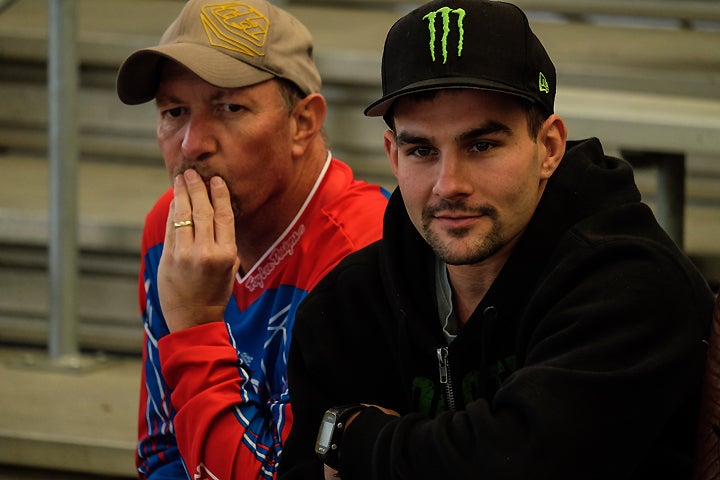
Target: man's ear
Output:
[(551, 140), (309, 116), (391, 150)]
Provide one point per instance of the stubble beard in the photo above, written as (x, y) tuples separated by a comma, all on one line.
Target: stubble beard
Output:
[(461, 248)]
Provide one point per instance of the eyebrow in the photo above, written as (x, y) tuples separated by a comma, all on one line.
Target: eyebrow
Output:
[(219, 94), (491, 127), (162, 99)]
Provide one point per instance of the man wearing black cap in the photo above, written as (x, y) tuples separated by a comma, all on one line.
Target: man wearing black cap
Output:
[(524, 315), (259, 212)]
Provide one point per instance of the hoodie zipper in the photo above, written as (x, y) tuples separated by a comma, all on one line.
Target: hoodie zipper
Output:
[(445, 377)]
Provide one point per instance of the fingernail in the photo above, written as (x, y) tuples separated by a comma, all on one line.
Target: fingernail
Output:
[(216, 182)]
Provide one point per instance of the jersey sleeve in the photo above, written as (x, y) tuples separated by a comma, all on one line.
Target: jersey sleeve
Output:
[(202, 414), (157, 454), (219, 434)]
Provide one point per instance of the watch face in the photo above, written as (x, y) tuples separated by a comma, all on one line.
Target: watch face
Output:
[(322, 445)]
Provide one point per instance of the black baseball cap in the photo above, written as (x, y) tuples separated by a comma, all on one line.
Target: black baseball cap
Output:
[(481, 44)]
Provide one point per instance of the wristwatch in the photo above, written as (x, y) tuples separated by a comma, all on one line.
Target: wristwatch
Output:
[(332, 426)]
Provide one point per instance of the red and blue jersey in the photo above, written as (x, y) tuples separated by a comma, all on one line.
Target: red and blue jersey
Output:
[(214, 401)]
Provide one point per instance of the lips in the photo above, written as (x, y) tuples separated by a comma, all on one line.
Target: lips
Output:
[(454, 216), (455, 220)]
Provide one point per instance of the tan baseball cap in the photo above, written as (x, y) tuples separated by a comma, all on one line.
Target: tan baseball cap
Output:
[(227, 44)]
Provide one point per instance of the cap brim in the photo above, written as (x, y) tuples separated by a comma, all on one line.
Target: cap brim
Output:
[(381, 106), (139, 75)]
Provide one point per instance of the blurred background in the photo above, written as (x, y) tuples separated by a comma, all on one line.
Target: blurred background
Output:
[(79, 170)]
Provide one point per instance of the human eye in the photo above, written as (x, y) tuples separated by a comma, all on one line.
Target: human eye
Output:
[(482, 146), (232, 107), (419, 152), (171, 112)]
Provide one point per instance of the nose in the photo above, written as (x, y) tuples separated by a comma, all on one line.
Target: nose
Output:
[(199, 141), (452, 177)]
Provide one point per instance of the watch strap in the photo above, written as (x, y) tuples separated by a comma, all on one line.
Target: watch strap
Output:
[(331, 457)]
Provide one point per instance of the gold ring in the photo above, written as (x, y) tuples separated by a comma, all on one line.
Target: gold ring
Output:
[(184, 223)]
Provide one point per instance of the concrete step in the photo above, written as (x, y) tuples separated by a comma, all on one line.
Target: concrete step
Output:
[(113, 200), (61, 420)]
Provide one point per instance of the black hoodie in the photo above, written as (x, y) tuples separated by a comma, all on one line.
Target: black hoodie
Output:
[(583, 360)]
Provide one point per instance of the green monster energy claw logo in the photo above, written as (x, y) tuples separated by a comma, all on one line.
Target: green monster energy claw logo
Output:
[(444, 13)]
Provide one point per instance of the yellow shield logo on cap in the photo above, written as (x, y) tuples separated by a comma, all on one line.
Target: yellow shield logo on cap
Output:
[(235, 26)]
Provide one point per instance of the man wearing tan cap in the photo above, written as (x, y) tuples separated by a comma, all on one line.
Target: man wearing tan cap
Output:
[(258, 213)]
